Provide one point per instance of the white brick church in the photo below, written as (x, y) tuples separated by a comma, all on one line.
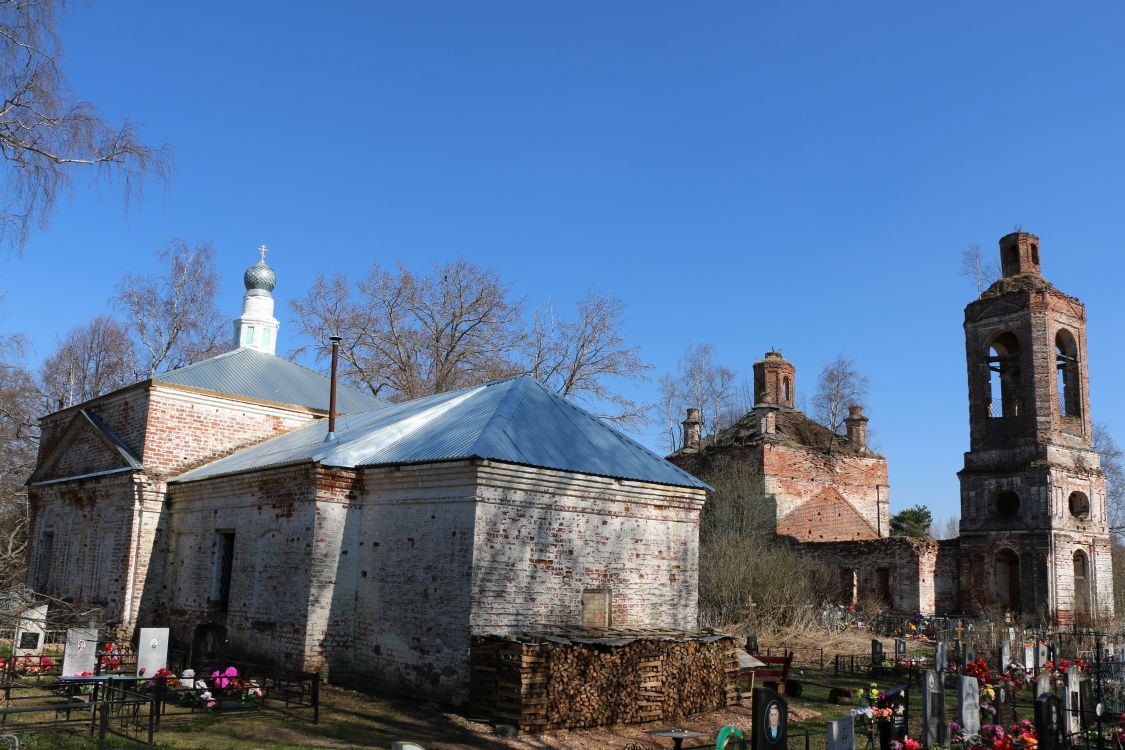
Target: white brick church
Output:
[(213, 494)]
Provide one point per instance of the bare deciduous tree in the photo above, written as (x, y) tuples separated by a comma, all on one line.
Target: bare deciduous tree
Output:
[(579, 358), (974, 266), (47, 135), (1114, 474), (93, 359), (19, 436), (839, 386), (701, 383), (406, 336), (173, 316)]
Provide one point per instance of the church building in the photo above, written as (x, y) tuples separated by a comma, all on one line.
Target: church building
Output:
[(374, 549)]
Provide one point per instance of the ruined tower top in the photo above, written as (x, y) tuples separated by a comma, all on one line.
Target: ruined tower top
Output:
[(774, 381), (1019, 254)]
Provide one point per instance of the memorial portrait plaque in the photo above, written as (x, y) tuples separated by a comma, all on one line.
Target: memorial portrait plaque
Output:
[(152, 651), (81, 653), (771, 718), (894, 729)]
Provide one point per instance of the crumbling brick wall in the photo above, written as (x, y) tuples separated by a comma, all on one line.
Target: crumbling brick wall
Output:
[(899, 572)]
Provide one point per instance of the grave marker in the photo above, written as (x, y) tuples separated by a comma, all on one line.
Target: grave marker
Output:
[(876, 653), (1040, 655), (152, 651), (1088, 697), (940, 661), (1072, 708), (1042, 683), (933, 710), (1005, 657), (900, 649), (1005, 706), (1028, 659), (841, 734), (968, 705), (771, 718), (81, 653), (31, 631), (895, 728), (1047, 724), (968, 654)]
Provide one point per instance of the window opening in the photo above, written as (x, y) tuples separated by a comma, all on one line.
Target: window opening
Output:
[(785, 388), (1079, 505), (1066, 366), (1004, 376), (1081, 585), (883, 576), (595, 608), (1005, 504), (224, 567), (1008, 580)]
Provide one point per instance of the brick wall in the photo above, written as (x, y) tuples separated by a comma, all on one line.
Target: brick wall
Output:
[(898, 571)]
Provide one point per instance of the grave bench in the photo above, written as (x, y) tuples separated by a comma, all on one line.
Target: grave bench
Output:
[(775, 672), (839, 694)]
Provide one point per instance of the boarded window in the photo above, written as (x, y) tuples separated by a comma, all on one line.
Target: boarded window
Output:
[(595, 608)]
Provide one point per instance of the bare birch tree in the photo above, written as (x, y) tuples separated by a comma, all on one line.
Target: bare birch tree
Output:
[(974, 266), (839, 386), (701, 383), (173, 316), (20, 404), (47, 135), (94, 358)]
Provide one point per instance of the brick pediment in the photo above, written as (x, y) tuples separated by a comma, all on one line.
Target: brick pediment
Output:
[(87, 446), (826, 517)]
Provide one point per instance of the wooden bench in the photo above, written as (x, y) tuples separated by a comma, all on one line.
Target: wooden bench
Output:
[(775, 672), (836, 693)]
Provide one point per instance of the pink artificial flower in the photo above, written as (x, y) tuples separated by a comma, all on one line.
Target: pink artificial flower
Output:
[(222, 679)]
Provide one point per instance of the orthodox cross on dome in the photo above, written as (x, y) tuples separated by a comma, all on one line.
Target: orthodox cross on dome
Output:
[(263, 250)]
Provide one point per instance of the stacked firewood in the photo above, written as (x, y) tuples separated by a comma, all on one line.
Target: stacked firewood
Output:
[(553, 683)]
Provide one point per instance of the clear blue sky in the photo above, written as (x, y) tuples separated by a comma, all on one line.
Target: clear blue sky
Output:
[(798, 175)]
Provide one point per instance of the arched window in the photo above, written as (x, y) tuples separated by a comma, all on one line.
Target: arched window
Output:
[(1079, 505), (786, 389), (1008, 580), (1066, 364), (1004, 376), (1081, 585)]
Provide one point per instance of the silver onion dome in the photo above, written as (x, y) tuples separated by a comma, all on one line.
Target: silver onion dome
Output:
[(260, 278)]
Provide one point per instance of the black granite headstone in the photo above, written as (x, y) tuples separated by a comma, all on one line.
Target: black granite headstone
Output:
[(1005, 707), (1048, 722), (208, 644), (934, 726), (968, 655), (876, 653), (29, 641), (940, 658), (893, 729), (771, 717), (1088, 696)]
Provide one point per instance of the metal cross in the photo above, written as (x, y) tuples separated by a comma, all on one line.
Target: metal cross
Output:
[(263, 250)]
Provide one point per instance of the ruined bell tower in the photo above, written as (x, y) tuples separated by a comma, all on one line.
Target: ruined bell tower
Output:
[(1034, 536)]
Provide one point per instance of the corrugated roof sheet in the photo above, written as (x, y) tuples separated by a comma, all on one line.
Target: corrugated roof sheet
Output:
[(267, 377), (516, 420)]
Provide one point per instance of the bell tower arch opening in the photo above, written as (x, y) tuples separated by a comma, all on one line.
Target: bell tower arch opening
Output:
[(1008, 580), (1004, 382), (1081, 586), (1067, 380)]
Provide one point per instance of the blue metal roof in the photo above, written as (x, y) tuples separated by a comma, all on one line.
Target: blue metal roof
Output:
[(267, 377), (517, 420)]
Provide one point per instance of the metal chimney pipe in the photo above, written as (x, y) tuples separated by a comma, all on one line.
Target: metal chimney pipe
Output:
[(332, 392)]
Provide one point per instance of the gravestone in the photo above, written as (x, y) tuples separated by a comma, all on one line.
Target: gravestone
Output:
[(876, 653), (31, 631), (1005, 706), (1072, 708), (940, 659), (1028, 659), (209, 642), (895, 728), (933, 710), (841, 734), (1011, 634), (957, 649), (1042, 683), (900, 649), (968, 654), (152, 651), (771, 718), (968, 705), (1088, 697), (1047, 723), (1005, 657), (81, 653), (1040, 655)]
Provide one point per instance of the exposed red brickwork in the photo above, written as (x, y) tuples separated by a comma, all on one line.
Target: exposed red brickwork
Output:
[(827, 517)]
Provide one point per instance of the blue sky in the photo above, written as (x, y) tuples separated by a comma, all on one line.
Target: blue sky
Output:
[(799, 175)]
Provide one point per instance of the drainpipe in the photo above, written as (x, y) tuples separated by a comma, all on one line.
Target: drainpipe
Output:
[(332, 391)]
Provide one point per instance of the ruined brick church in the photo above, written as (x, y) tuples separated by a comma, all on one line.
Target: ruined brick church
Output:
[(372, 542), (1034, 539)]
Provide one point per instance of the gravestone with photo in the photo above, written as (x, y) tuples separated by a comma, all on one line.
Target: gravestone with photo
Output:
[(1040, 655), (876, 653), (933, 710), (1042, 683), (81, 653), (209, 645), (841, 734), (1005, 706), (900, 649), (1028, 659), (31, 631), (1072, 707), (152, 651), (770, 722), (1005, 657), (968, 705)]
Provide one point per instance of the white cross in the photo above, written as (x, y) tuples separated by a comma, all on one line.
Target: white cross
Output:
[(263, 251)]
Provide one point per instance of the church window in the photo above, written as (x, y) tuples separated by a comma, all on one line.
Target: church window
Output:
[(1066, 365), (265, 337), (1035, 253), (1081, 585), (1005, 504), (224, 567), (883, 586), (1004, 376), (786, 388), (1079, 505)]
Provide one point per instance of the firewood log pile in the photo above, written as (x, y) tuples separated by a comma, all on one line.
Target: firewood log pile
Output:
[(595, 678)]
